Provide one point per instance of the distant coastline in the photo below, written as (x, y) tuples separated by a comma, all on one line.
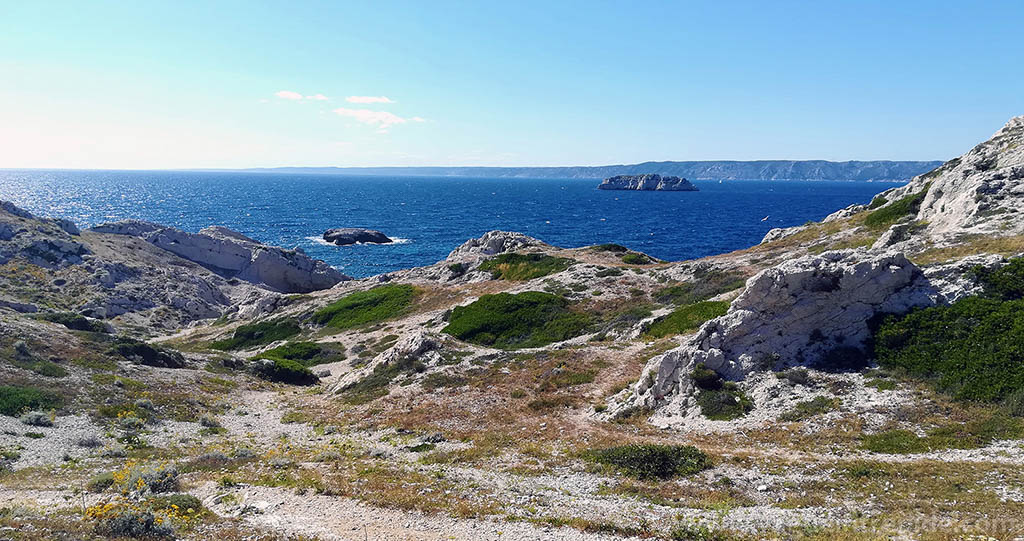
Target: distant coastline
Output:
[(877, 170)]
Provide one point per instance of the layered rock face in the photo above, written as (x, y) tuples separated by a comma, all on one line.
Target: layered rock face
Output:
[(979, 193), (343, 236), (809, 311), (650, 182), (234, 255)]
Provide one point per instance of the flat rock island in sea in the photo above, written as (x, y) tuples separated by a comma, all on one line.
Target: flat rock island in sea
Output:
[(344, 236), (650, 182)]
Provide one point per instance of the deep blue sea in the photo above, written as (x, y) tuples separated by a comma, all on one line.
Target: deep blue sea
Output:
[(431, 216)]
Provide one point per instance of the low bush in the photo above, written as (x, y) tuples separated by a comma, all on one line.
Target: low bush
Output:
[(366, 307), (719, 400), (36, 418), (142, 353), (687, 319), (520, 267), (75, 322), (809, 408), (124, 521), (893, 212), (284, 371), (973, 350), (646, 461), (255, 334), (609, 247), (100, 482), (1005, 283), (376, 384), (507, 321), (155, 480), (637, 259)]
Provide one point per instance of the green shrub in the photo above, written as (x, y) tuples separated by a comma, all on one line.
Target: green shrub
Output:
[(181, 502), (895, 211), (75, 322), (809, 408), (973, 350), (1005, 283), (636, 259), (645, 461), (878, 201), (16, 399), (127, 522), (36, 418), (507, 321), (687, 319), (520, 267), (365, 307), (142, 353), (284, 371), (719, 400), (305, 353), (609, 247), (376, 384), (708, 283), (255, 334), (100, 482)]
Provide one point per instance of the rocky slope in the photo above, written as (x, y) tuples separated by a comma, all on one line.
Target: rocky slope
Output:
[(649, 182)]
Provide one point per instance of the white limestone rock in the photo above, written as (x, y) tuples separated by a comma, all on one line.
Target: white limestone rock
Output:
[(234, 255), (844, 213), (493, 243), (795, 313)]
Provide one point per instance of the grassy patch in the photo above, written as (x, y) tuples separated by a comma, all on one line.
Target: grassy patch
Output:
[(255, 334), (687, 319), (888, 215), (519, 267), (645, 461), (507, 321), (142, 353), (366, 307), (15, 400), (305, 353), (971, 435), (610, 247), (284, 371), (708, 283), (809, 408)]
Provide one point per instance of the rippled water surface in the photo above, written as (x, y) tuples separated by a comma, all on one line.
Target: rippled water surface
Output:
[(432, 216)]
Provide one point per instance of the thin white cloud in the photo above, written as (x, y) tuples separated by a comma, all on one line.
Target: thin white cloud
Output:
[(288, 95), (382, 119), (369, 99), (295, 96)]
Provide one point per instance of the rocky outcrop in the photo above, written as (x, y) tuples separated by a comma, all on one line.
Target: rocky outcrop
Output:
[(493, 243), (979, 193), (651, 182), (234, 255), (48, 243), (343, 236), (809, 311), (779, 233), (844, 213)]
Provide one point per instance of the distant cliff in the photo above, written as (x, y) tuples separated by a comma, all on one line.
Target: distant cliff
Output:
[(702, 170), (649, 182)]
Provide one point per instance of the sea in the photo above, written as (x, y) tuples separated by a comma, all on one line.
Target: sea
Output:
[(430, 216)]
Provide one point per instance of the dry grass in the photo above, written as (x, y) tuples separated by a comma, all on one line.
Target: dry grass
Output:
[(1006, 246)]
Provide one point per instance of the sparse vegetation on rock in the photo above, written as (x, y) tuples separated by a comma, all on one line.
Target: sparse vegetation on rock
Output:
[(521, 267)]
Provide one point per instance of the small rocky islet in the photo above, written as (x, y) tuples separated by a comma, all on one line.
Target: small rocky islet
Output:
[(648, 182), (344, 236), (826, 383)]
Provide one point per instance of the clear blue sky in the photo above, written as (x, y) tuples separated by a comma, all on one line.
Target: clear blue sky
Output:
[(179, 84)]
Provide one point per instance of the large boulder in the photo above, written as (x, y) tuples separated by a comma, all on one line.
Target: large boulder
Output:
[(343, 236), (814, 310), (233, 255), (493, 243)]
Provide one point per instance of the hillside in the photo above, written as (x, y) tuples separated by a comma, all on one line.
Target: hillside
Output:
[(695, 170), (856, 378)]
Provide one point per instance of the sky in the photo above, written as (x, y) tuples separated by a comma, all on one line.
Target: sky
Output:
[(223, 84)]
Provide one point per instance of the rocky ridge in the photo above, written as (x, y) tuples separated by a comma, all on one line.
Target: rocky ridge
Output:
[(648, 182)]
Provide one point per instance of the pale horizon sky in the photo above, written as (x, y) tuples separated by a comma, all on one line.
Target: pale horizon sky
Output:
[(231, 84)]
